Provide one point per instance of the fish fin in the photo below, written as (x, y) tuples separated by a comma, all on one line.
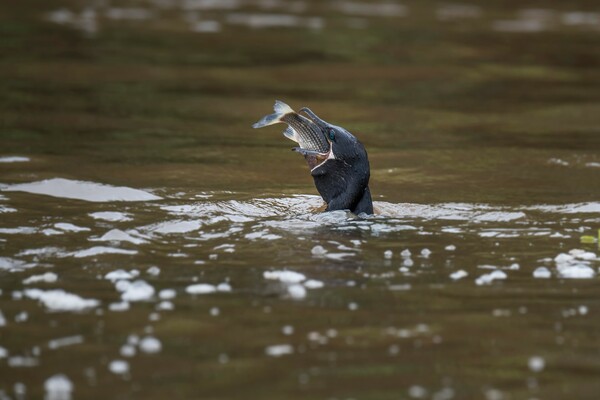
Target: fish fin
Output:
[(268, 120), (307, 153), (280, 108), (291, 134)]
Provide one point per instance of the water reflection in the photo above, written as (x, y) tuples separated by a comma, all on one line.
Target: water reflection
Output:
[(90, 20)]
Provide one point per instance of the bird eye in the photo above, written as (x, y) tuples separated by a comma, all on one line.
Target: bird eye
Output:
[(331, 134)]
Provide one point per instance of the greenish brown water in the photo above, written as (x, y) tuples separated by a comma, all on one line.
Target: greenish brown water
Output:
[(482, 124)]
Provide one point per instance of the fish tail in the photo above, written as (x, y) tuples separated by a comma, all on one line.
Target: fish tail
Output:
[(281, 109)]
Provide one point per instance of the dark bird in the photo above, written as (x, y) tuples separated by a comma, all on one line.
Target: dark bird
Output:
[(338, 162)]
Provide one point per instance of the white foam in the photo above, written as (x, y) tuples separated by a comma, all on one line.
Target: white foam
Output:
[(542, 273), (13, 159), (575, 265), (117, 235), (80, 190), (23, 362), (284, 276), (58, 387), (59, 300), (111, 216), (278, 350), (127, 350), (41, 252), (48, 277), (563, 258), (536, 363), (456, 275), (137, 291), (6, 209), (224, 287), (417, 392), (165, 305), (70, 227), (3, 352), (486, 279), (118, 367), (150, 345), (313, 284), (119, 307), (154, 271), (52, 232), (296, 291), (338, 256), (13, 265), (201, 288), (577, 271), (176, 227), (265, 235), (287, 330), (583, 255), (573, 208), (99, 250), (23, 316), (498, 216), (167, 294), (65, 341), (118, 274), (23, 230), (318, 251), (122, 286)]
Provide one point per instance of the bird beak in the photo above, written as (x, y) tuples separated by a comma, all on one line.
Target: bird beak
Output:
[(314, 159)]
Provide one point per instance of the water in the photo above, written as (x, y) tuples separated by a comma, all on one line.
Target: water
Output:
[(153, 245)]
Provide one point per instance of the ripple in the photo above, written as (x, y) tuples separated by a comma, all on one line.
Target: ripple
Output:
[(117, 235), (81, 190), (14, 265), (99, 250), (111, 216), (387, 9), (258, 21), (14, 159)]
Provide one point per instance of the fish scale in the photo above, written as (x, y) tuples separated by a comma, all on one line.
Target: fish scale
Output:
[(310, 135)]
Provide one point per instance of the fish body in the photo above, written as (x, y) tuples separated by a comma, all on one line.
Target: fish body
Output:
[(300, 129)]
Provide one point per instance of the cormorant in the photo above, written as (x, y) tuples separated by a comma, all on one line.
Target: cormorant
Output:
[(338, 162)]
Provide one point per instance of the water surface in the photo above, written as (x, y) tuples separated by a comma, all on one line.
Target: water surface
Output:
[(153, 245)]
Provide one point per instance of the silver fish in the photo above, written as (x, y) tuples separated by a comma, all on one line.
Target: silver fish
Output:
[(300, 129)]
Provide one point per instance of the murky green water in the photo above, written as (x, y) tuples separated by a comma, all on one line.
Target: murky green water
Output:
[(218, 277)]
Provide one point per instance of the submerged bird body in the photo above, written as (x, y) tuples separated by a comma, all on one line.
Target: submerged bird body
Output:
[(338, 162)]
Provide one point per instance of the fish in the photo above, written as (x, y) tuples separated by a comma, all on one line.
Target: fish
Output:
[(301, 130)]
